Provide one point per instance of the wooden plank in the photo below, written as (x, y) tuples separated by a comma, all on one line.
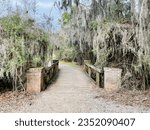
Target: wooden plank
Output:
[(93, 67)]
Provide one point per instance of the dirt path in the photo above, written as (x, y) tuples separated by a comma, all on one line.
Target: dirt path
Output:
[(73, 92)]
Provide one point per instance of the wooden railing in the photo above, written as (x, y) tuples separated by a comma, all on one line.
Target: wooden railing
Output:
[(39, 78), (50, 72), (93, 72)]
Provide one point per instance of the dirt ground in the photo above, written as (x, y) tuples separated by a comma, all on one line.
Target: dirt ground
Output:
[(127, 97)]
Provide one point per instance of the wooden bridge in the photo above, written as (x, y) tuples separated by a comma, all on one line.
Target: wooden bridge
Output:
[(39, 78), (72, 91)]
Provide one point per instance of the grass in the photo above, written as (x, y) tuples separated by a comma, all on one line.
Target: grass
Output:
[(72, 64)]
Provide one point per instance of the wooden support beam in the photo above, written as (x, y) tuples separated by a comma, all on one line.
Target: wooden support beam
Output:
[(89, 71), (89, 68), (98, 78)]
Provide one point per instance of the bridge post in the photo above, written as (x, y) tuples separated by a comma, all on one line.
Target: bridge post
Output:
[(98, 78), (91, 68), (89, 71), (86, 61), (39, 78), (35, 80), (112, 78), (56, 66)]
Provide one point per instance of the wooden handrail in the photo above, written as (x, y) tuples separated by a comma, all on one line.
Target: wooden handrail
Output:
[(50, 72), (93, 67), (89, 68)]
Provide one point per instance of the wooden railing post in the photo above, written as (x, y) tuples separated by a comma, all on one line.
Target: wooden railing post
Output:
[(98, 78), (85, 62), (56, 62), (89, 71), (89, 68)]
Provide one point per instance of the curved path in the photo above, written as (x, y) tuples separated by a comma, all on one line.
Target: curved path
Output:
[(73, 92)]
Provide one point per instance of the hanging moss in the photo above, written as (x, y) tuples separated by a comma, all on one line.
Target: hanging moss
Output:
[(114, 34), (22, 47)]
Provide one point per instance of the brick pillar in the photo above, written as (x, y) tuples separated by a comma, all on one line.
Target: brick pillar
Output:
[(112, 78), (35, 80)]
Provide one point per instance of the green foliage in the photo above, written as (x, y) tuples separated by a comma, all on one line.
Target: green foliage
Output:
[(44, 38), (102, 57), (13, 25), (18, 57), (117, 9), (66, 17), (67, 52), (36, 61), (142, 63), (120, 12), (93, 25), (146, 59), (27, 46)]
